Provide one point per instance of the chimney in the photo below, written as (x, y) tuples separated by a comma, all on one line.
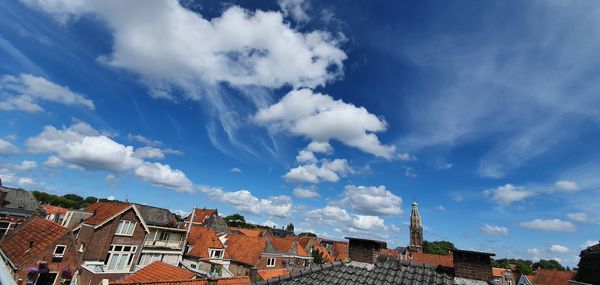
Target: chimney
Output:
[(364, 250), (472, 265), (253, 274)]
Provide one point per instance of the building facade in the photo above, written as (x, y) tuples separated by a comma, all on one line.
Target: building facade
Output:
[(416, 230)]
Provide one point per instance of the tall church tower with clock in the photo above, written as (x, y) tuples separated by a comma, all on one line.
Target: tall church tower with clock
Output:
[(416, 230)]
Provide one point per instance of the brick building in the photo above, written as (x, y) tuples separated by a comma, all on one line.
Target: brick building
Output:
[(16, 206)]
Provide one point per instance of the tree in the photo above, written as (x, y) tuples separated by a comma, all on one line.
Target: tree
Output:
[(317, 257), (236, 220), (290, 227), (307, 234), (548, 264), (438, 247)]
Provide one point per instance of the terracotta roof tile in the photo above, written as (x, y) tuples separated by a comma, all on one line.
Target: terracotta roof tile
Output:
[(287, 245), (201, 240), (553, 277), (433, 259), (49, 209), (497, 272), (248, 232), (39, 232), (200, 215), (158, 271), (243, 280), (245, 249), (324, 253), (103, 211), (340, 251), (266, 274)]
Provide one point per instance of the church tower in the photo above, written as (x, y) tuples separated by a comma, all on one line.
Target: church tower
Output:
[(416, 230)]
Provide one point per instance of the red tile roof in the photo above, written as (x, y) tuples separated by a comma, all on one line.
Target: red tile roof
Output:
[(248, 232), (245, 249), (266, 274), (287, 245), (433, 259), (244, 280), (201, 240), (49, 209), (39, 232), (553, 277), (497, 272), (158, 271), (103, 211), (200, 215), (340, 251)]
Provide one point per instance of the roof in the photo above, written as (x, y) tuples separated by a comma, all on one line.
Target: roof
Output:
[(287, 245), (19, 199), (103, 211), (202, 239), (553, 277), (158, 271), (244, 280), (156, 216), (383, 243), (248, 232), (39, 232), (201, 215), (340, 251), (497, 272), (245, 249), (49, 209), (324, 253), (266, 274), (473, 252), (388, 272), (433, 259), (589, 263)]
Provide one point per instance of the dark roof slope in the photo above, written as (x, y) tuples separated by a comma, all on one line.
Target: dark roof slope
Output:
[(388, 272), (589, 265), (30, 239), (20, 200), (156, 216)]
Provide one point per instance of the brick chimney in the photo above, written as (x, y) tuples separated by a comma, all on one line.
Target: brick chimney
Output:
[(365, 250), (473, 265)]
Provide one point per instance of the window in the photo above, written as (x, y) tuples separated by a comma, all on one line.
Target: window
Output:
[(216, 253), (46, 279), (119, 257), (164, 235), (59, 251), (125, 228), (4, 228), (81, 247), (193, 266), (271, 262)]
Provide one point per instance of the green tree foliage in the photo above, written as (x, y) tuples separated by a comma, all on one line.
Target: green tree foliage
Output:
[(290, 227), (317, 257), (548, 264), (438, 247), (69, 201), (521, 266), (307, 234), (239, 221)]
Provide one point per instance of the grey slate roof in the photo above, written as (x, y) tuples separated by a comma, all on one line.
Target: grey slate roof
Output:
[(388, 272), (19, 201), (155, 216)]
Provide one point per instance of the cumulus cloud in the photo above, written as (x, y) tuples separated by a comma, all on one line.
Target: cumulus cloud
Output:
[(243, 200), (578, 217), (306, 156), (26, 165), (507, 194), (319, 147), (236, 170), (336, 216), (494, 230), (371, 200), (325, 170), (556, 248), (24, 92), (588, 243), (163, 175), (552, 225), (144, 140), (53, 162), (309, 192), (295, 9), (566, 186), (166, 43), (7, 148), (321, 118)]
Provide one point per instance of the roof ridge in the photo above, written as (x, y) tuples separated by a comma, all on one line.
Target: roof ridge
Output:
[(299, 273)]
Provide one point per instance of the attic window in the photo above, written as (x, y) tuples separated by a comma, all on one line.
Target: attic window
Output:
[(271, 262), (216, 253), (125, 228), (59, 251)]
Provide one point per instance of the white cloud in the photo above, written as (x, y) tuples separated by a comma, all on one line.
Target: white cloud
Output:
[(319, 147), (53, 162), (310, 192), (335, 216), (566, 186), (7, 148), (25, 181), (441, 208), (534, 251), (144, 140), (236, 170), (23, 93), (149, 152), (554, 225), (26, 165), (270, 224), (494, 230), (371, 200), (556, 248), (589, 243), (507, 194), (110, 179), (111, 198), (164, 176), (243, 200), (321, 118), (168, 44), (409, 172), (368, 223), (306, 156), (578, 217), (295, 9), (329, 214), (329, 171)]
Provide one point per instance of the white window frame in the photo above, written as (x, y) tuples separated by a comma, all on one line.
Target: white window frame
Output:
[(129, 227), (118, 256), (59, 255), (212, 253), (271, 261)]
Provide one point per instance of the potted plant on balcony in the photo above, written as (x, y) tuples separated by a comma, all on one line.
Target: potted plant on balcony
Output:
[(66, 275)]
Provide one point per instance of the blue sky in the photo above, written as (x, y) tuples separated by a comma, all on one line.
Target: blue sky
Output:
[(331, 115)]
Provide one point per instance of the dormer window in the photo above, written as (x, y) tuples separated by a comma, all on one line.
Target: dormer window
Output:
[(216, 253), (271, 262), (125, 228), (59, 251)]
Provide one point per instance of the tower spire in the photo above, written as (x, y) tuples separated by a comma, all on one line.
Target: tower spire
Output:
[(416, 229)]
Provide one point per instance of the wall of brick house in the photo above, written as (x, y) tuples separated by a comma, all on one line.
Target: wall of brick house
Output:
[(89, 278), (69, 260), (239, 269), (279, 264), (472, 266), (98, 241), (364, 251)]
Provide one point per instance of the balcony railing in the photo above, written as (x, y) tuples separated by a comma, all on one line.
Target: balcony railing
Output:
[(164, 243)]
